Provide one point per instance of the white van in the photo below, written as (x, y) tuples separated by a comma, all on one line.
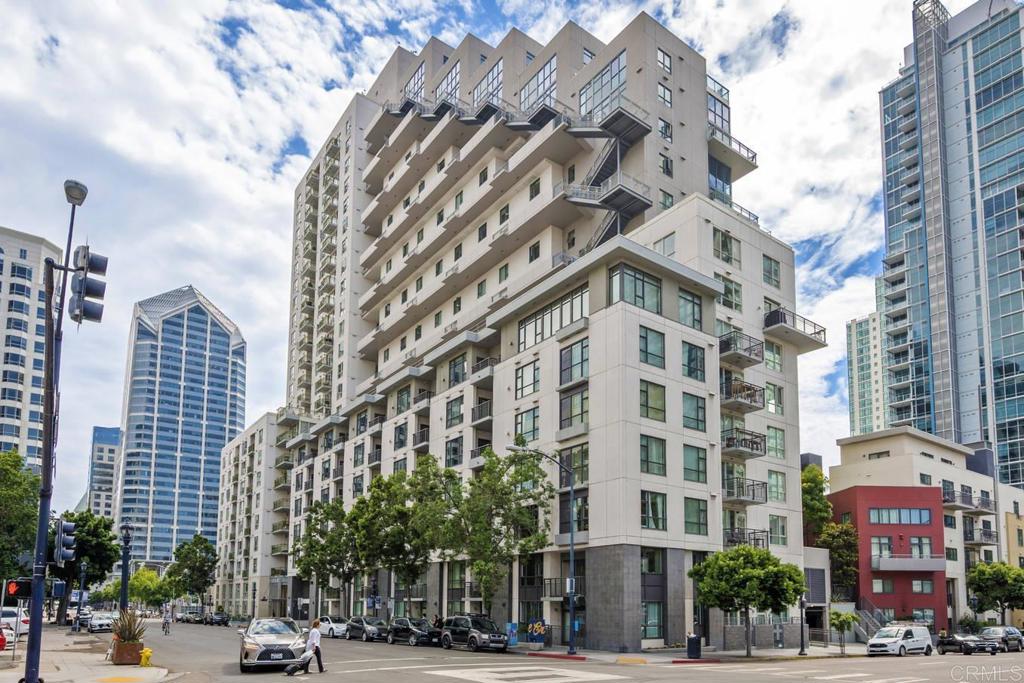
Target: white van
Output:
[(900, 640)]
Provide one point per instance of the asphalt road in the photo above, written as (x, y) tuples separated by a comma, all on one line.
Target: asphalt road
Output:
[(204, 654)]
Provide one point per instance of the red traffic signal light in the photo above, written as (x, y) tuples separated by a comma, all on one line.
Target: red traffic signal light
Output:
[(19, 588)]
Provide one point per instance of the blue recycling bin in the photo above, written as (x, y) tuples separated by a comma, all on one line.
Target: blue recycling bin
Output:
[(693, 647)]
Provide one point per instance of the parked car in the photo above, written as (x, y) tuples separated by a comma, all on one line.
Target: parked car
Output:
[(333, 627), (1007, 637), (101, 621), (965, 643), (900, 640), (6, 636), (187, 616), (217, 619), (366, 629), (413, 631), (16, 618), (475, 631), (270, 642)]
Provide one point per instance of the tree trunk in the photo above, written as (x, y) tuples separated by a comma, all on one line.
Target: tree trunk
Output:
[(746, 613), (62, 608)]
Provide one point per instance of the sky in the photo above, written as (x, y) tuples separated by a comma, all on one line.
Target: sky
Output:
[(192, 122)]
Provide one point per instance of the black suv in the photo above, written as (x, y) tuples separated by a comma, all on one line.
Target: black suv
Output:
[(1008, 637), (217, 619), (413, 631), (475, 631)]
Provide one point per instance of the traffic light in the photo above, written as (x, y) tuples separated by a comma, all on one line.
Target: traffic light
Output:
[(86, 292), (64, 545), (19, 589)]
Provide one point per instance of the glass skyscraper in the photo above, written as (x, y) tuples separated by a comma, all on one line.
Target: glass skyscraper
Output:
[(951, 290), (184, 399)]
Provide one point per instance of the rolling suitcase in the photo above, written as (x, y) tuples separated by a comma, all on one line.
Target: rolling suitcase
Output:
[(303, 662)]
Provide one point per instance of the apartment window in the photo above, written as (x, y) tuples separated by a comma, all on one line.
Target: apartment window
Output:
[(732, 297), (502, 273), (534, 187), (777, 533), (457, 370), (419, 235), (726, 247), (773, 356), (651, 613), (900, 516), (926, 479), (652, 455), (418, 333), (695, 464), (652, 347), (949, 521), (773, 398), (440, 165), (358, 458), (401, 434), (693, 361), (481, 288), (666, 199), (588, 56), (770, 271), (458, 252), (666, 246), (664, 95), (403, 399), (652, 510), (578, 458), (437, 319), (882, 586), (690, 313), (387, 266), (405, 250), (458, 200), (695, 515), (528, 424), (543, 323), (1020, 537), (438, 267), (453, 452), (574, 362), (665, 163), (770, 305), (634, 287), (456, 304), (534, 251), (570, 174), (776, 486), (503, 214), (419, 283), (453, 412), (481, 232), (878, 456), (574, 408), (400, 465), (652, 400), (664, 61), (920, 546), (694, 412), (665, 130), (439, 218), (951, 554), (405, 295), (922, 586), (527, 379)]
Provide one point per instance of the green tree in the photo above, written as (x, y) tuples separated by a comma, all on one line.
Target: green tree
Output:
[(842, 542), (997, 586), (145, 587), (842, 622), (96, 544), (327, 547), (744, 578), (817, 508), (499, 514), (194, 567), (106, 594), (19, 500)]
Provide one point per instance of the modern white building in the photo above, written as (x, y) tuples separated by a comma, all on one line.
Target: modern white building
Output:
[(22, 315), (106, 444), (541, 240), (866, 374), (252, 527), (184, 400)]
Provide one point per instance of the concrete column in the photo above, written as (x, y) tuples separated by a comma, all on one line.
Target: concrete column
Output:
[(613, 603), (677, 622)]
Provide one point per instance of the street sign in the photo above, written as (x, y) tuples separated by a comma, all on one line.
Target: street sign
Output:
[(570, 585)]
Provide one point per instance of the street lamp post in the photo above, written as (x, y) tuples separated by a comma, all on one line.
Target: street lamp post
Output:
[(803, 606), (126, 552), (75, 193), (81, 595), (571, 581)]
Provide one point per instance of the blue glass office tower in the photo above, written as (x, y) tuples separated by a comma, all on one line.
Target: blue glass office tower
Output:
[(184, 399), (952, 293)]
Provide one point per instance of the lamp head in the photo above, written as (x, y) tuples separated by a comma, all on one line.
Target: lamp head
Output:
[(75, 192), (126, 531)]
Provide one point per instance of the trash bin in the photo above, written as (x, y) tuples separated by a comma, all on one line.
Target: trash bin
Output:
[(693, 647)]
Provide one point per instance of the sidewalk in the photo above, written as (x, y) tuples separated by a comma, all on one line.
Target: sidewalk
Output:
[(75, 658), (678, 656)]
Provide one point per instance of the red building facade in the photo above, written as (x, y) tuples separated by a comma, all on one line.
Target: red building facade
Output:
[(901, 549)]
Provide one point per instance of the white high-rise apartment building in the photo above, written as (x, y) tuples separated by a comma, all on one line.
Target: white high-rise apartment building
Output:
[(22, 316), (106, 444), (540, 239), (865, 353)]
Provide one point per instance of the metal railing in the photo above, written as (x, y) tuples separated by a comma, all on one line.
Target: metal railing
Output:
[(484, 363), (737, 342), (716, 88), (750, 490), (421, 396), (745, 439), (374, 457), (744, 536), (481, 410), (783, 316), (421, 437), (555, 587), (732, 143), (981, 535), (727, 200), (617, 101), (478, 452), (743, 391)]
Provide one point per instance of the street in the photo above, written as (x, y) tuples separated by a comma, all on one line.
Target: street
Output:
[(208, 653)]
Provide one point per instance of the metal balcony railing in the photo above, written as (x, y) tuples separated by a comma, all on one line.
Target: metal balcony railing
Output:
[(745, 439), (481, 410), (749, 490), (717, 89), (737, 342), (556, 587), (739, 390), (485, 363), (782, 316), (981, 535), (732, 143), (745, 536)]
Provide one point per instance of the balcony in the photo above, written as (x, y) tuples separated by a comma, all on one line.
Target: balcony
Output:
[(742, 397), (482, 373), (421, 403), (280, 505), (283, 482), (741, 491), (908, 563), (979, 536), (743, 536), (481, 414), (285, 461), (557, 588), (722, 198), (338, 472), (743, 444), (375, 425), (788, 327), (373, 458), (476, 457), (279, 527), (421, 440), (717, 89), (617, 117), (279, 549), (733, 153), (416, 592), (957, 500), (740, 350), (621, 192)]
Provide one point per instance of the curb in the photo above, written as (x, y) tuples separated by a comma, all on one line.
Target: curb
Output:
[(555, 655), (697, 661)]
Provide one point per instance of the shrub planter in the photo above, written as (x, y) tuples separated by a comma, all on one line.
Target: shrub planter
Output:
[(127, 653)]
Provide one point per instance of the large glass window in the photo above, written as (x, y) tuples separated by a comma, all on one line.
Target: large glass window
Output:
[(653, 624), (695, 464), (577, 458), (776, 443), (695, 511), (600, 95), (527, 379), (574, 362), (693, 361), (403, 399), (771, 271), (777, 532), (489, 87), (776, 486), (414, 86), (652, 455), (689, 309), (732, 297), (726, 247), (694, 412), (772, 356), (652, 400), (900, 516), (635, 287), (538, 326), (881, 546), (773, 398), (528, 424), (574, 408), (719, 180), (453, 412), (718, 113), (540, 89), (449, 85), (652, 347), (652, 510), (457, 370), (453, 452)]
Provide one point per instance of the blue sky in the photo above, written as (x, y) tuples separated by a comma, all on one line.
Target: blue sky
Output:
[(192, 122)]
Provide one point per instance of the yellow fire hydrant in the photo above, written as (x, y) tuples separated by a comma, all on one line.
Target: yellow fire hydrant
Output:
[(146, 654)]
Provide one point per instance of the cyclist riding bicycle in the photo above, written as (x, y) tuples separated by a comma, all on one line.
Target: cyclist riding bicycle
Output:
[(167, 622)]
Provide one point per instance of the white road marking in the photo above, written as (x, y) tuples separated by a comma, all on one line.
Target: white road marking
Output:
[(384, 659), (538, 674), (838, 677), (417, 666)]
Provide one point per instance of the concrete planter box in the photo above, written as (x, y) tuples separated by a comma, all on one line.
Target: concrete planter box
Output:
[(535, 647), (127, 653)]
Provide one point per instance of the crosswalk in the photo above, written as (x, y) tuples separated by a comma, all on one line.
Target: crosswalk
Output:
[(525, 674), (805, 674)]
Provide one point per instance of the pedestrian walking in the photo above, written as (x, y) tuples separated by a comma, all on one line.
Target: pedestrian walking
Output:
[(313, 645)]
